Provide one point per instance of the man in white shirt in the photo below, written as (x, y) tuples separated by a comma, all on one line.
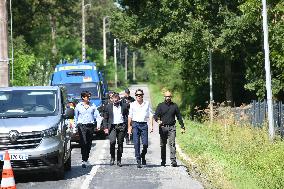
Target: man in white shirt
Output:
[(139, 113), (115, 124)]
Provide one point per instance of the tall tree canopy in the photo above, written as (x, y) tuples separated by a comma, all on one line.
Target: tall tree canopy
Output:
[(183, 31)]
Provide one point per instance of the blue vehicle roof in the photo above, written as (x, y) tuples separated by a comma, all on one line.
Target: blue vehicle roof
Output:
[(75, 73)]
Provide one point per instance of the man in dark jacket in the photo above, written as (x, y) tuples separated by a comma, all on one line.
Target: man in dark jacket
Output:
[(128, 99), (165, 115), (115, 121)]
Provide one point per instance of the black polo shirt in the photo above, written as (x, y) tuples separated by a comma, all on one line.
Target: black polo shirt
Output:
[(166, 112)]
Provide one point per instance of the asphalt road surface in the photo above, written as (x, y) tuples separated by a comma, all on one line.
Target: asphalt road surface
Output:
[(101, 175)]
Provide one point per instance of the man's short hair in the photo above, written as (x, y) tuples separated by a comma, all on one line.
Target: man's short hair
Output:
[(127, 91), (139, 90), (115, 95), (85, 93)]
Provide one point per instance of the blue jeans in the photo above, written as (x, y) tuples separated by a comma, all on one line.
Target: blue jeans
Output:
[(140, 129)]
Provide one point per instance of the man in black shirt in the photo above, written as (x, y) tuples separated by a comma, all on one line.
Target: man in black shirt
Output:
[(127, 99), (165, 116)]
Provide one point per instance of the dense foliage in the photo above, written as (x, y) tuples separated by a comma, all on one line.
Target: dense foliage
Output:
[(182, 32), (48, 31), (176, 37)]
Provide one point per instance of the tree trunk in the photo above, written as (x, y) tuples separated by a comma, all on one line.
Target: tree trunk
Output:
[(53, 35), (4, 61), (228, 82)]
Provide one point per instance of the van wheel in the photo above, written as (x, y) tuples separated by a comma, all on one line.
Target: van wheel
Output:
[(67, 164)]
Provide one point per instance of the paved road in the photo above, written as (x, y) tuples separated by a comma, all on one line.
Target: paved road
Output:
[(101, 175)]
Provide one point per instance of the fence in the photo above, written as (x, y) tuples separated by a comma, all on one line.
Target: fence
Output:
[(256, 113)]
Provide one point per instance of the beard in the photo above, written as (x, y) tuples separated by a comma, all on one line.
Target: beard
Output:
[(168, 100)]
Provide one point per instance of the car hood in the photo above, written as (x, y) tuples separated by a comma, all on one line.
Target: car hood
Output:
[(28, 124)]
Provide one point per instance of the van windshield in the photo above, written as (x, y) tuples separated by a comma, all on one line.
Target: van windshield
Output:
[(28, 103), (75, 89)]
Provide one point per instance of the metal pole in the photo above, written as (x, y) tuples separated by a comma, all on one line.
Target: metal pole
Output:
[(125, 62), (211, 86), (104, 39), (4, 61), (267, 71), (83, 32), (134, 62), (120, 46), (115, 64), (12, 45)]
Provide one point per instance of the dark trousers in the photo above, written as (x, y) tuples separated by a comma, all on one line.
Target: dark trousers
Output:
[(117, 132), (168, 133), (86, 134), (140, 129)]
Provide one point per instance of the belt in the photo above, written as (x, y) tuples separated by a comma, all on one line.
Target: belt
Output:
[(167, 125), (140, 122), (87, 125), (119, 124)]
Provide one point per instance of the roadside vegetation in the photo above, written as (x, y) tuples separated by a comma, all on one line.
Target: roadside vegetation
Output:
[(229, 156)]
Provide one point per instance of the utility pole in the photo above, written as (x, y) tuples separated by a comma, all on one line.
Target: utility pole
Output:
[(134, 62), (267, 71), (125, 61), (4, 60), (12, 45), (104, 39), (120, 54), (84, 31), (211, 86), (115, 64)]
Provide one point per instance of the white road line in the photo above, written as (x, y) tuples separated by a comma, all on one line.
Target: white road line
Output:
[(95, 168)]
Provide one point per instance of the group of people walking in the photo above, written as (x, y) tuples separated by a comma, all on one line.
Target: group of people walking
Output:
[(128, 118)]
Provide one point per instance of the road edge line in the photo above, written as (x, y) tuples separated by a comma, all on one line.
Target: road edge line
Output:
[(95, 168)]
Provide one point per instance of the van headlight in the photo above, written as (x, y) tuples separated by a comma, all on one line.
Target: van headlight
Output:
[(49, 132)]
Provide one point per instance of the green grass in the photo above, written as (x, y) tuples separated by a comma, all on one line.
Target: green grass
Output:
[(232, 156), (239, 157)]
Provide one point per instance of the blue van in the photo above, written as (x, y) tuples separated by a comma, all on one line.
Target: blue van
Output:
[(78, 77)]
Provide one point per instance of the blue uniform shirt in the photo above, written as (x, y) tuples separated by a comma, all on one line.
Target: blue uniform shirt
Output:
[(85, 115)]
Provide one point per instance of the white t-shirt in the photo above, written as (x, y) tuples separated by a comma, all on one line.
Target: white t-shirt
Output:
[(140, 112)]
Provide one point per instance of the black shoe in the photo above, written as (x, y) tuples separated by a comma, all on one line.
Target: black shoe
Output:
[(111, 161), (84, 165), (119, 164), (143, 159), (163, 163), (174, 164), (139, 164)]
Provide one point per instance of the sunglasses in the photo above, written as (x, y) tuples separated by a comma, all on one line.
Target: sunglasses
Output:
[(168, 96), (87, 96), (139, 95)]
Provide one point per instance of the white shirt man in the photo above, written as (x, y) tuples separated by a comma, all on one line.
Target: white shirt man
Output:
[(139, 113)]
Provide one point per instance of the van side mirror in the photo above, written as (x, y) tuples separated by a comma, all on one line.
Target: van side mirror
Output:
[(69, 113)]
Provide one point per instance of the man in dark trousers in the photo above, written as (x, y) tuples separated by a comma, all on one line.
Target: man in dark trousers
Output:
[(128, 99), (139, 113), (165, 116), (85, 120), (115, 124)]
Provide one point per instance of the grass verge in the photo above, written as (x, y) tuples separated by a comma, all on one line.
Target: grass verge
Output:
[(231, 156)]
